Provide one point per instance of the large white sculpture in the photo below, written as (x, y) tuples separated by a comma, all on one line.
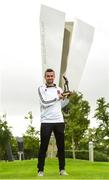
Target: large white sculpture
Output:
[(52, 31), (65, 45), (79, 37)]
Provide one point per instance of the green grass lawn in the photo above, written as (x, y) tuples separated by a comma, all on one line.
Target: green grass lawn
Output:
[(77, 169)]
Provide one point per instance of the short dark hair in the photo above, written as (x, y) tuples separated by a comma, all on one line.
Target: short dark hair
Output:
[(49, 70)]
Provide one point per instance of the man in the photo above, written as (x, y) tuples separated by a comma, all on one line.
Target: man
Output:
[(51, 100)]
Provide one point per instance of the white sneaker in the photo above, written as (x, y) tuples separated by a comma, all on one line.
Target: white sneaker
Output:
[(40, 173), (63, 173)]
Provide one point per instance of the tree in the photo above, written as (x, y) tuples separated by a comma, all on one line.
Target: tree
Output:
[(5, 138), (31, 140), (76, 119), (102, 114), (102, 131)]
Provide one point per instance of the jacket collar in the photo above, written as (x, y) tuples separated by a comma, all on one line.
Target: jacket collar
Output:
[(54, 85)]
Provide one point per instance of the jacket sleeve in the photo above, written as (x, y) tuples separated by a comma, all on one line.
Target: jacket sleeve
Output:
[(46, 102), (64, 102)]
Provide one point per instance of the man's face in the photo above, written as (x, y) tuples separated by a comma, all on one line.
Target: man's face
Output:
[(49, 77)]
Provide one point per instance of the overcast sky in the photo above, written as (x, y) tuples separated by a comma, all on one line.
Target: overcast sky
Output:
[(20, 55)]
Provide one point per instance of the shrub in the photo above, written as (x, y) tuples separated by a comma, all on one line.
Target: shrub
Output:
[(84, 154), (99, 156)]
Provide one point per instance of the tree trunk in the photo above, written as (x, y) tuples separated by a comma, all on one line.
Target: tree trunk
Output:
[(73, 148)]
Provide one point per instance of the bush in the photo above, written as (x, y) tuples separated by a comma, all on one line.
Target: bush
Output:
[(68, 154), (80, 154), (84, 154), (31, 147), (99, 156)]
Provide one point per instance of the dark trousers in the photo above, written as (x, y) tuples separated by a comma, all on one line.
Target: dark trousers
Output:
[(46, 130)]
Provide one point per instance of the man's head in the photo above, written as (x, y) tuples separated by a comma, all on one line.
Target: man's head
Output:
[(49, 76)]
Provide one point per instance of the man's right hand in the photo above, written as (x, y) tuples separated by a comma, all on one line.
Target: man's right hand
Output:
[(61, 96)]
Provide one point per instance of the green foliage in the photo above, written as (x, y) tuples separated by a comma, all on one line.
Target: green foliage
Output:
[(84, 155), (31, 146), (100, 156), (102, 112), (102, 116), (80, 154), (5, 136), (102, 131), (31, 140), (14, 146), (76, 119), (5, 132), (88, 136)]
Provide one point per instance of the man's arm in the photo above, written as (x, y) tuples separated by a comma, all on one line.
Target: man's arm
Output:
[(64, 102), (64, 99), (43, 99)]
